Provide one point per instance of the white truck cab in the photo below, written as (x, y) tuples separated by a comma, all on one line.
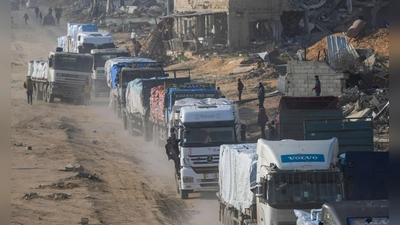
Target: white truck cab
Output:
[(201, 130), (86, 41), (295, 175)]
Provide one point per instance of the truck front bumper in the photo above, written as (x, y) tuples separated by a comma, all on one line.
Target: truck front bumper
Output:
[(198, 182), (66, 91)]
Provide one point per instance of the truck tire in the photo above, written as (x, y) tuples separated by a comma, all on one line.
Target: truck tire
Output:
[(51, 98), (230, 217), (184, 194), (155, 136), (38, 94), (44, 96), (125, 119)]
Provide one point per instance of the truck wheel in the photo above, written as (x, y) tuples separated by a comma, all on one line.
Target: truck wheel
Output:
[(177, 183), (155, 136), (44, 96), (125, 119), (51, 98), (230, 217), (184, 194), (38, 95)]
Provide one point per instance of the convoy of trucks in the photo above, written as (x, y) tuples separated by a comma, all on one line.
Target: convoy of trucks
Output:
[(99, 79), (62, 76), (256, 183)]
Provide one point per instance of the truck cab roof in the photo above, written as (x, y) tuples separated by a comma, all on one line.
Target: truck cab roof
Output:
[(298, 155), (70, 54), (108, 50), (206, 113), (95, 34)]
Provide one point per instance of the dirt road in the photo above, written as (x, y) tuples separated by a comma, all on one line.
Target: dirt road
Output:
[(122, 180)]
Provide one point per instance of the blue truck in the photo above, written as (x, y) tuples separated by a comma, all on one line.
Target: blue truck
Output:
[(120, 71), (141, 101)]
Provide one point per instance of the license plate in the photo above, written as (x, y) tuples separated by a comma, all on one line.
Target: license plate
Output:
[(210, 176)]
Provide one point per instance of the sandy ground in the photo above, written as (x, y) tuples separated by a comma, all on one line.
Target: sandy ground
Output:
[(123, 180)]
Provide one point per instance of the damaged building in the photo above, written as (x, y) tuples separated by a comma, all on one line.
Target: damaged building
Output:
[(193, 24), (232, 23)]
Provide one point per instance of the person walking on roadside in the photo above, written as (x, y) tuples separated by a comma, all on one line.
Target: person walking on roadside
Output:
[(261, 95), (50, 11), (26, 17), (271, 131), (262, 121), (86, 93), (133, 37), (317, 87), (40, 17), (173, 154), (29, 87), (138, 46), (37, 11), (240, 87)]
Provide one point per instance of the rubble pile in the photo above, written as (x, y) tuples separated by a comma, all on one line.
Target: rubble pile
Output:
[(367, 103)]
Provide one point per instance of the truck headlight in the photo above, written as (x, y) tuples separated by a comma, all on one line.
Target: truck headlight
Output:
[(187, 179)]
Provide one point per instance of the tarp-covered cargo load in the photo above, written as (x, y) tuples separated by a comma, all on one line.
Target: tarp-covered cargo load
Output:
[(237, 175)]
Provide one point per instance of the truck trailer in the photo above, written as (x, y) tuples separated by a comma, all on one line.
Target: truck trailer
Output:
[(62, 76), (100, 56), (289, 175), (120, 71)]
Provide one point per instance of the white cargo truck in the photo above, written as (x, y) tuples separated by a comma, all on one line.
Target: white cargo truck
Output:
[(202, 126), (61, 76), (290, 175), (99, 78)]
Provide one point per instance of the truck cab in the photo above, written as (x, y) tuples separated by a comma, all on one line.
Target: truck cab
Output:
[(100, 56), (86, 41), (201, 129), (67, 73), (295, 175)]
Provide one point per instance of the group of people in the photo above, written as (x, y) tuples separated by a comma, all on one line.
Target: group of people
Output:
[(262, 116), (136, 44)]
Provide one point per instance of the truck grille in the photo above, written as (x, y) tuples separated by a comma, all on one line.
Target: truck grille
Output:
[(205, 169), (209, 185), (204, 159)]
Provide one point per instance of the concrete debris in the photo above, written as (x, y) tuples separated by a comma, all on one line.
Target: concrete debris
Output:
[(70, 168), (89, 197), (86, 175), (84, 221), (58, 196), (29, 196), (367, 103), (29, 148), (243, 69), (18, 144)]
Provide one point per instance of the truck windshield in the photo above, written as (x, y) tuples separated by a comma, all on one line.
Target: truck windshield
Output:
[(132, 75), (199, 136), (100, 59), (302, 189), (73, 63)]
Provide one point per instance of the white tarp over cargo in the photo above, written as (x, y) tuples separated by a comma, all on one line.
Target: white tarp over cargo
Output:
[(39, 69), (63, 42), (237, 174), (133, 97)]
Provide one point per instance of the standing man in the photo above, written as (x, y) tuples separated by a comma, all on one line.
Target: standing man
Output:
[(133, 37), (37, 11), (317, 87), (40, 17), (240, 87), (26, 17), (29, 87), (86, 92), (220, 95), (173, 154), (261, 95), (262, 121), (50, 11), (138, 46)]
